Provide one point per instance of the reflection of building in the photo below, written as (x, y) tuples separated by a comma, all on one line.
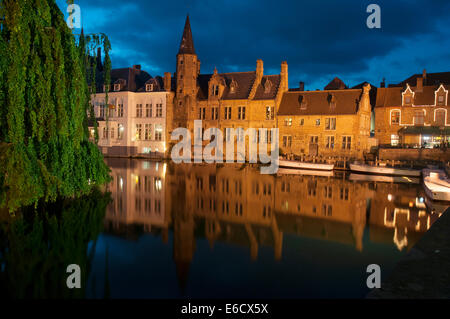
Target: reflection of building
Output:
[(399, 214), (414, 112), (134, 121), (138, 192), (236, 204), (323, 207)]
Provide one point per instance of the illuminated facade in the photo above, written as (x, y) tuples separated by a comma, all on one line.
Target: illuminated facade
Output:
[(415, 112), (134, 121)]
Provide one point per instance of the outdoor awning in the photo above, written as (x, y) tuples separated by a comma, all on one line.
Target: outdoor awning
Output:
[(425, 130)]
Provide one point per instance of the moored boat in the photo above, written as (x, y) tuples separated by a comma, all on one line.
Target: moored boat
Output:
[(309, 172), (383, 170), (381, 178), (304, 165), (436, 184)]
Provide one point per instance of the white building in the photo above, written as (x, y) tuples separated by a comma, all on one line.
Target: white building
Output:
[(134, 121)]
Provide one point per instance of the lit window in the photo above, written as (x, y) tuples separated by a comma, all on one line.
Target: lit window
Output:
[(318, 122), (395, 117), (394, 140), (346, 142), (149, 87), (330, 123)]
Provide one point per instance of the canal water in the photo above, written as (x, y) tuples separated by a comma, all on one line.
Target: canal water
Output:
[(211, 231)]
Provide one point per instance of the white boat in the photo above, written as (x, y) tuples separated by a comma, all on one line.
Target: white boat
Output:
[(303, 165), (382, 170), (387, 179), (436, 184), (309, 172)]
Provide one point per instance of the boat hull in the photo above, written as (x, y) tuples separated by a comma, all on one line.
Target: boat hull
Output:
[(303, 165), (367, 169), (309, 172), (436, 187), (386, 179)]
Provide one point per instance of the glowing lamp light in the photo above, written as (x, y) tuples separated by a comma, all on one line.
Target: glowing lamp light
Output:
[(390, 197)]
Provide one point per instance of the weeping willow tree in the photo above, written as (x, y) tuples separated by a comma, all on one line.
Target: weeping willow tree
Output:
[(44, 101)]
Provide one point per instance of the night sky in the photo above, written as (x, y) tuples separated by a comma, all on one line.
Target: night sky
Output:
[(319, 39)]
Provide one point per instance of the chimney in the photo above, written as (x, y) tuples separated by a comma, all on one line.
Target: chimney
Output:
[(167, 81), (419, 86), (424, 76), (301, 86), (137, 66), (284, 85), (383, 83), (259, 70)]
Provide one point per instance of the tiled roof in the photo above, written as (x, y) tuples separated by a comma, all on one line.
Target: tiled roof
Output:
[(392, 96), (336, 84), (431, 79), (272, 88), (318, 102), (131, 79), (243, 80)]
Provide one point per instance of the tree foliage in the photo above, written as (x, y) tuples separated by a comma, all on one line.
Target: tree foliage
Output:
[(44, 106)]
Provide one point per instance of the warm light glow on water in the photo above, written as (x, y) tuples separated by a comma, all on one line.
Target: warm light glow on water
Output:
[(228, 231)]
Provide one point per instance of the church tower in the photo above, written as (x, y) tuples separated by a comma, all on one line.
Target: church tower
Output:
[(187, 71)]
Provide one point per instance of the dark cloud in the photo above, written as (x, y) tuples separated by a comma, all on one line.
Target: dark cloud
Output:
[(319, 39)]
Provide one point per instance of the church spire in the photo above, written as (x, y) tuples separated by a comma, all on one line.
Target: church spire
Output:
[(187, 44)]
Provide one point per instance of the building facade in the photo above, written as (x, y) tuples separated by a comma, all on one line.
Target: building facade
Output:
[(415, 112), (223, 100), (133, 122), (328, 123)]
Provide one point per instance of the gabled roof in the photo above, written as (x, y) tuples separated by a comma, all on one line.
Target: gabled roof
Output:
[(318, 102), (187, 43), (244, 81), (336, 84)]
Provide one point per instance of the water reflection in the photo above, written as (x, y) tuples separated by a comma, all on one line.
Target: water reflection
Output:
[(37, 245), (236, 205)]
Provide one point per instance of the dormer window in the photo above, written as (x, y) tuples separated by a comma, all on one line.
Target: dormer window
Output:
[(332, 101), (267, 86), (302, 101), (408, 96), (233, 86), (106, 88), (116, 87), (441, 95), (215, 90), (149, 87)]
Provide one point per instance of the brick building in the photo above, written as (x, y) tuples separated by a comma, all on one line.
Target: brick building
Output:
[(330, 122), (223, 100), (414, 113)]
